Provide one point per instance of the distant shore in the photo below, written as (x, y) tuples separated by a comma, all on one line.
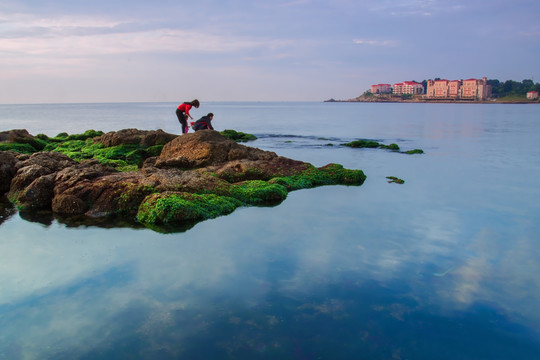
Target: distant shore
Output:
[(378, 99)]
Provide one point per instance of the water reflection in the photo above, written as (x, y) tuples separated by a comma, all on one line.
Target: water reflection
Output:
[(241, 287)]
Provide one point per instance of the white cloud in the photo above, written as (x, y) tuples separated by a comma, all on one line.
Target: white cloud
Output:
[(87, 36), (375, 42)]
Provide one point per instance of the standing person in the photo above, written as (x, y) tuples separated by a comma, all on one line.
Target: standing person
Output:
[(204, 123), (182, 113)]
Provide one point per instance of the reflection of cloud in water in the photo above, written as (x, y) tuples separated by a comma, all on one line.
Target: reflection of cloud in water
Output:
[(85, 289)]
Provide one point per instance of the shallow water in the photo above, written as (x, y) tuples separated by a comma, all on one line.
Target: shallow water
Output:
[(444, 266)]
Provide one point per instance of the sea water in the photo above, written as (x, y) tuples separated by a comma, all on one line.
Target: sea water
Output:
[(444, 266)]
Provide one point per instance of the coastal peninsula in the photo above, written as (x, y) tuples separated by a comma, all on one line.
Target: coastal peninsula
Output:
[(452, 91)]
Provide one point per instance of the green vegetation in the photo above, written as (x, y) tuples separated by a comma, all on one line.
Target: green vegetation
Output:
[(81, 146), (18, 147), (171, 209), (174, 208), (406, 96), (332, 174), (258, 192), (238, 136), (363, 144), (375, 145), (511, 90), (393, 147)]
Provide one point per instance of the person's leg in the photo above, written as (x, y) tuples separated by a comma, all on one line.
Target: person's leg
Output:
[(182, 119)]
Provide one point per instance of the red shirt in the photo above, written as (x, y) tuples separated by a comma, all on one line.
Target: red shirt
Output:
[(185, 108)]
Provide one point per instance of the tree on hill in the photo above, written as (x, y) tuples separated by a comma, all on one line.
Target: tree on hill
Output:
[(511, 87)]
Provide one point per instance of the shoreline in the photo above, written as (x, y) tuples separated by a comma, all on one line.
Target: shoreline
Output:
[(434, 101)]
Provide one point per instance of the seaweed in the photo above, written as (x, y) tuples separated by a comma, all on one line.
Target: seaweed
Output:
[(370, 144), (237, 135)]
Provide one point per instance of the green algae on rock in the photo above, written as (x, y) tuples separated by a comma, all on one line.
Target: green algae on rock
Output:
[(331, 174), (176, 207), (238, 136), (370, 144)]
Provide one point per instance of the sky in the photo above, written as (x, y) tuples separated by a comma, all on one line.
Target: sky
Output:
[(63, 51)]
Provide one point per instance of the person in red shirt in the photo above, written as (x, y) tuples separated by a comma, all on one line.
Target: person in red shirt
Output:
[(182, 113)]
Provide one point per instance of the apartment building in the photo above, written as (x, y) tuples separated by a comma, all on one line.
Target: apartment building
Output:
[(381, 89), (471, 89), (408, 87)]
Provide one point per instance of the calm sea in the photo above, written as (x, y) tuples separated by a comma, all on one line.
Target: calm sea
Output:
[(445, 266)]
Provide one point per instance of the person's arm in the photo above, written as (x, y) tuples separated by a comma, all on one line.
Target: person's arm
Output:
[(188, 107)]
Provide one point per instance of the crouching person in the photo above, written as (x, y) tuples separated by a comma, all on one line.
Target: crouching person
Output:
[(204, 123)]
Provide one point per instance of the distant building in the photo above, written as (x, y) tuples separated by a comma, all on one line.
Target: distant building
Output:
[(381, 89), (475, 89), (532, 95), (408, 87), (471, 89)]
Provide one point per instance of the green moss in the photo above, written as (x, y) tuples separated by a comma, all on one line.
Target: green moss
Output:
[(122, 157), (88, 134), (374, 144), (258, 192), (154, 150), (393, 147), (20, 148), (237, 135), (363, 144), (43, 137), (72, 148), (332, 174), (174, 208), (62, 135)]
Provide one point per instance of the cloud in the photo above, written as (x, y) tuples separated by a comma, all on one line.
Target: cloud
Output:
[(375, 42), (87, 36), (416, 7)]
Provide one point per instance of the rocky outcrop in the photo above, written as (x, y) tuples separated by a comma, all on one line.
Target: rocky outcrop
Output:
[(145, 138), (196, 176), (8, 160)]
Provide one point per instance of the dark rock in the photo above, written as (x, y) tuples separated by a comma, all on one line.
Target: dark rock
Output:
[(8, 160), (68, 205), (25, 176), (15, 135), (206, 148), (52, 161), (21, 136), (145, 138), (37, 195)]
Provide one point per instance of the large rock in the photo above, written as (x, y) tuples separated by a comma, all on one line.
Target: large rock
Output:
[(8, 160), (28, 187), (144, 138), (16, 135), (21, 136), (215, 153)]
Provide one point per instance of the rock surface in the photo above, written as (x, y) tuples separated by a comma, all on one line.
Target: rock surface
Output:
[(197, 176)]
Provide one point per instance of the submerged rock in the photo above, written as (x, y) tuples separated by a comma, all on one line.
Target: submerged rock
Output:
[(194, 177)]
